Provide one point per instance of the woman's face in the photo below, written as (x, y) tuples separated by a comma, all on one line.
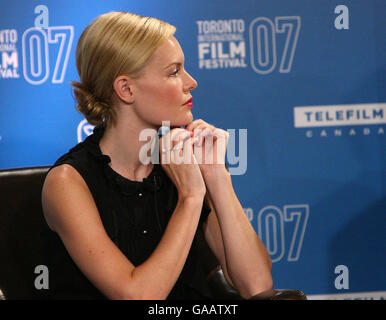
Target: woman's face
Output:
[(163, 87)]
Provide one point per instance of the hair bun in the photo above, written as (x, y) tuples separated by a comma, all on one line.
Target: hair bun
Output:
[(114, 44), (95, 110)]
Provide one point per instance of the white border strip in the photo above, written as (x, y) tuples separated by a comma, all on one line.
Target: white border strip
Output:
[(375, 295)]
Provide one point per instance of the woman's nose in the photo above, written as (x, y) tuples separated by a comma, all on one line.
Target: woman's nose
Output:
[(190, 83)]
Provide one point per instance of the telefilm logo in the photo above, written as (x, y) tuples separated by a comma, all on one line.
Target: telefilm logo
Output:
[(222, 44), (45, 51), (339, 120)]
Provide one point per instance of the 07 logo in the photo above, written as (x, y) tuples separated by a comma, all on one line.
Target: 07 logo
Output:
[(270, 228), (37, 43), (263, 37)]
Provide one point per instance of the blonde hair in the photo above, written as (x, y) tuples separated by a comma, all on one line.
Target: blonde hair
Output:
[(115, 43)]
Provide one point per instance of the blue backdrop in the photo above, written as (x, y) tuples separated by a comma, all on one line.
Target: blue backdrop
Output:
[(305, 79)]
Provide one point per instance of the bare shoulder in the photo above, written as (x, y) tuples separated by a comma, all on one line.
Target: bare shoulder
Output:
[(59, 180), (64, 173), (64, 194)]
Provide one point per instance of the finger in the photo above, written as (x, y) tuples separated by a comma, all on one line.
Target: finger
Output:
[(203, 126), (175, 135), (221, 134), (183, 140), (204, 134), (191, 126), (167, 138), (179, 146), (195, 140), (199, 129), (166, 142), (174, 138), (182, 136), (182, 151)]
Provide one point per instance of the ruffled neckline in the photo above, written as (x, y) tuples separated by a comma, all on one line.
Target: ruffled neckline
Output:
[(154, 181)]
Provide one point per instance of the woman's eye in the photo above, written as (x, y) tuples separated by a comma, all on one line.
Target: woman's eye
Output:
[(175, 72)]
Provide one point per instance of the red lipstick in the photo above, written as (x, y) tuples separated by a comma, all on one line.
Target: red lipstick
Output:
[(189, 103)]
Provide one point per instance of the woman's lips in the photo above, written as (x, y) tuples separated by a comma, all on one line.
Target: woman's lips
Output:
[(189, 103)]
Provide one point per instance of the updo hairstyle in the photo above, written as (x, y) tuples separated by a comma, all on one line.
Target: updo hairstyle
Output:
[(115, 43)]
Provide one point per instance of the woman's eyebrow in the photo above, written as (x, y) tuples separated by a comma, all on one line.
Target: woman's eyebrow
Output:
[(178, 64)]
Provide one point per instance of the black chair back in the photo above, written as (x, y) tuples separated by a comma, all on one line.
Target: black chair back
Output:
[(21, 223)]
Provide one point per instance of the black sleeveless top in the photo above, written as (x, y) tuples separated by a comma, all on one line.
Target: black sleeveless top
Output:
[(135, 215)]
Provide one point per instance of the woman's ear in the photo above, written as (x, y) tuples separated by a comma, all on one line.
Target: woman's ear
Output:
[(123, 88)]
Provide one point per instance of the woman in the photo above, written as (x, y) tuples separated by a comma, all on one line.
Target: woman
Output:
[(132, 228)]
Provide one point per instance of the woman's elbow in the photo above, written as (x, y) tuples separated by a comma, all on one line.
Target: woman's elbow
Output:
[(143, 292), (269, 264), (261, 285), (129, 295)]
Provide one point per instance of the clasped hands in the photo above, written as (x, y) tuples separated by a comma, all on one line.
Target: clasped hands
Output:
[(200, 142)]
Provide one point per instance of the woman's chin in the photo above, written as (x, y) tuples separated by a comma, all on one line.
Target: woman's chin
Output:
[(181, 122), (189, 119)]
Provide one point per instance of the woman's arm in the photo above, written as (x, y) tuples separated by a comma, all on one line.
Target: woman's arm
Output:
[(70, 211), (243, 257)]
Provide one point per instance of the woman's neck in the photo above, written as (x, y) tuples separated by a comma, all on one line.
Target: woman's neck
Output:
[(121, 143)]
